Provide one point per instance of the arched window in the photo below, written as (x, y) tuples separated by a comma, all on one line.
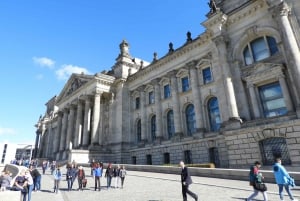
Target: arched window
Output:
[(214, 114), (272, 148), (170, 124), (260, 49), (153, 127), (139, 131), (190, 119)]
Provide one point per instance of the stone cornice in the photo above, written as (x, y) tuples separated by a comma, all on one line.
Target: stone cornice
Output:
[(244, 13), (188, 47)]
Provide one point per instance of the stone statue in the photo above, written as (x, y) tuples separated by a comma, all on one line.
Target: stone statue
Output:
[(213, 6), (171, 49)]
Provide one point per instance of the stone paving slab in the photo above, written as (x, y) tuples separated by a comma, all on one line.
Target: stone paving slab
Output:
[(145, 186)]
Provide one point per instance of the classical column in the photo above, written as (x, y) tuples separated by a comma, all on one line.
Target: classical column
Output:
[(96, 118), (70, 127), (286, 94), (143, 114), (63, 132), (292, 49), (56, 141), (176, 105), (158, 109), (78, 126), (227, 77), (254, 102), (87, 123), (197, 98)]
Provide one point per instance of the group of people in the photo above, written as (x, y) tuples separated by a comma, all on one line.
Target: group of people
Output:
[(282, 178), (27, 181), (116, 173), (73, 172)]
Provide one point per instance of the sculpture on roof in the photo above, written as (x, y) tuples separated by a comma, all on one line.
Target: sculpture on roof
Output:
[(213, 6)]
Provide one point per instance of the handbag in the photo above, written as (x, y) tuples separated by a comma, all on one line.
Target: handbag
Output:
[(260, 186)]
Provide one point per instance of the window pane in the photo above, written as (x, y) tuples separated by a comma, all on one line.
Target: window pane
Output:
[(214, 114), (137, 103), (247, 56), (272, 100), (153, 127), (151, 97), (259, 49), (206, 75), (272, 45), (170, 124), (185, 84), (139, 131), (190, 119), (167, 92)]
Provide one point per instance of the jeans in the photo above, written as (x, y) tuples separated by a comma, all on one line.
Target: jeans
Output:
[(30, 188), (97, 183), (70, 184), (255, 193), (287, 189), (37, 183), (108, 181)]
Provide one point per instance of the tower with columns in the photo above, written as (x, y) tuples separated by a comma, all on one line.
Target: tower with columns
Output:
[(229, 96)]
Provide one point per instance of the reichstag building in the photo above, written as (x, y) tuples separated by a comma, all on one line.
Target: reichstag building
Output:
[(229, 96)]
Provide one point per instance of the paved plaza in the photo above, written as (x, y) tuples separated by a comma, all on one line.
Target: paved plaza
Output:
[(145, 186)]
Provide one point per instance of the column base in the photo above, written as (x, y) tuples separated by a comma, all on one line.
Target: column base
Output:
[(142, 143), (158, 140), (177, 137), (232, 123), (298, 112)]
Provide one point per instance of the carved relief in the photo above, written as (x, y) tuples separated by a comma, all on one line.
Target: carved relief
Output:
[(76, 84)]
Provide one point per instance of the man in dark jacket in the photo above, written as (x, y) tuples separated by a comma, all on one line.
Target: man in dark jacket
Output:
[(186, 180)]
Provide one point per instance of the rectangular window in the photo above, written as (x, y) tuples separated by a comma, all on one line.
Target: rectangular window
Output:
[(137, 103), (149, 159), (207, 77), (185, 84), (272, 100), (167, 91), (166, 158), (151, 97), (187, 157)]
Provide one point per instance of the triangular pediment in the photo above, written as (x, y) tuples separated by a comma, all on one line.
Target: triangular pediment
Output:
[(75, 82)]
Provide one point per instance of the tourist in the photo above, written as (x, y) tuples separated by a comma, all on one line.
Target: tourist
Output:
[(186, 180), (21, 184), (122, 175), (117, 176), (71, 175), (109, 173), (92, 166), (5, 180), (57, 177), (44, 166), (36, 175), (256, 178), (80, 177), (97, 174), (283, 179), (30, 184)]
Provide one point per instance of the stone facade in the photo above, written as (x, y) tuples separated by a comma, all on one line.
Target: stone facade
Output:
[(229, 96)]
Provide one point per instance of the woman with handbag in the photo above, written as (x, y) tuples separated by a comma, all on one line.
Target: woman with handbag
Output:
[(256, 180)]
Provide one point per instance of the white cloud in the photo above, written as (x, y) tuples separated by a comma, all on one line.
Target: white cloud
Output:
[(66, 71), (7, 131), (44, 62)]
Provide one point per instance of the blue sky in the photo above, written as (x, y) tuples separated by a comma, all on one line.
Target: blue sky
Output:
[(43, 41)]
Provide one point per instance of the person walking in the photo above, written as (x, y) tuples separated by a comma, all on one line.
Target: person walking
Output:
[(283, 179), (57, 177), (122, 175), (256, 178), (80, 177), (97, 174), (186, 180), (69, 176), (117, 175), (109, 173)]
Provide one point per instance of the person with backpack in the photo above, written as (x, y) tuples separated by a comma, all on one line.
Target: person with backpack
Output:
[(283, 179), (256, 180)]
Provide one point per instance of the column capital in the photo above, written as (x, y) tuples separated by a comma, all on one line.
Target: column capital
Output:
[(191, 64)]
